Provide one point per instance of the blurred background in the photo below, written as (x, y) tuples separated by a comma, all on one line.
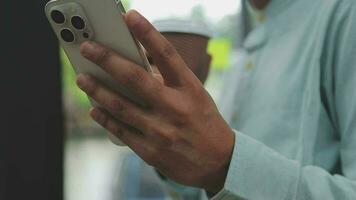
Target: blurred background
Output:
[(44, 157), (92, 163)]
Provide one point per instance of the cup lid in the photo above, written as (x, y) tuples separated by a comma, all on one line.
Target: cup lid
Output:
[(183, 26)]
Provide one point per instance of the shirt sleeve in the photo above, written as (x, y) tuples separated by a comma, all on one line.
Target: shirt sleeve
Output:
[(258, 172)]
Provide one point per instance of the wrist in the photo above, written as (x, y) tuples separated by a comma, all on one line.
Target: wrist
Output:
[(216, 180), (217, 183)]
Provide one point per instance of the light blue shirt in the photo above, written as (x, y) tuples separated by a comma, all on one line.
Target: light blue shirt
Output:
[(292, 102)]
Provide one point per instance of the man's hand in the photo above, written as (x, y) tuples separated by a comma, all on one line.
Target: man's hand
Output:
[(180, 131)]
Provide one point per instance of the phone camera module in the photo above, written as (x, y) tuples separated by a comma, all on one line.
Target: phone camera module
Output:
[(67, 35), (58, 17), (86, 35), (78, 22)]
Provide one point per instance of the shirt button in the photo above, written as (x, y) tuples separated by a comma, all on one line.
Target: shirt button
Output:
[(249, 65), (261, 18)]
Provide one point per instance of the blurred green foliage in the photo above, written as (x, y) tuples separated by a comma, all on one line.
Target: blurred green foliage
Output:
[(220, 49), (127, 4), (68, 80)]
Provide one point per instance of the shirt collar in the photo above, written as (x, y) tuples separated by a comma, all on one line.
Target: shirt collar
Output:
[(255, 39), (274, 7), (277, 6), (256, 16)]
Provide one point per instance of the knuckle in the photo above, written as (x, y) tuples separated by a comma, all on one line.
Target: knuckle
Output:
[(113, 128), (132, 121), (135, 76), (116, 106), (171, 136), (103, 57), (159, 90), (119, 132), (91, 88), (104, 121), (142, 30), (171, 141), (153, 130), (167, 137), (146, 32), (123, 132), (182, 110), (167, 52), (197, 89), (183, 116)]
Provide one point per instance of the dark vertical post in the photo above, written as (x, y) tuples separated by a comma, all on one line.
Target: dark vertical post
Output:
[(31, 129)]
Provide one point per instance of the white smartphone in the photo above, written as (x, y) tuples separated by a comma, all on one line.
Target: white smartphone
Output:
[(75, 21)]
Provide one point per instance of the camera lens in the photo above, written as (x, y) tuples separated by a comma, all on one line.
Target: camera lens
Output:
[(67, 35), (86, 35), (58, 17), (78, 22)]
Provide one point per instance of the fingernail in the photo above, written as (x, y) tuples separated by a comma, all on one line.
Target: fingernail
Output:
[(94, 113), (88, 49), (97, 115), (82, 81), (133, 18)]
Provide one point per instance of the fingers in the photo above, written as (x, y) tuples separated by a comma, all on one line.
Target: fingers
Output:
[(127, 73), (164, 55), (118, 106), (128, 135)]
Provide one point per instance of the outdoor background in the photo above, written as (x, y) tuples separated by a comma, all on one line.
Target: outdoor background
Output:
[(92, 163)]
